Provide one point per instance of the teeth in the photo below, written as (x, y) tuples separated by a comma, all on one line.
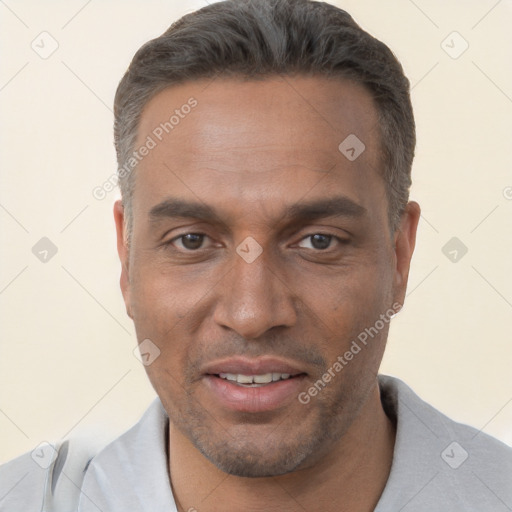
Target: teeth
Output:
[(265, 378), (244, 379), (262, 379)]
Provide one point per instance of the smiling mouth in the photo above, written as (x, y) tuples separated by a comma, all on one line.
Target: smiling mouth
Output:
[(244, 386), (254, 381)]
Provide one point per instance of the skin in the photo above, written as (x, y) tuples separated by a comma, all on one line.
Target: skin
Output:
[(248, 151)]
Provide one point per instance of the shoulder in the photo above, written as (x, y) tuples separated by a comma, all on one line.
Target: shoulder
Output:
[(53, 476), (47, 478), (453, 461), (401, 399)]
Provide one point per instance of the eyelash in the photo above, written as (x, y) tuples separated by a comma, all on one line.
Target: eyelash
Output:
[(341, 241)]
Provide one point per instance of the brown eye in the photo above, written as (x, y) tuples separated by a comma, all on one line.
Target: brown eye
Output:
[(190, 241), (318, 241)]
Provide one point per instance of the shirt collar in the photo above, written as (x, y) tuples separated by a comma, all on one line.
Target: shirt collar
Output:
[(421, 434), (131, 473)]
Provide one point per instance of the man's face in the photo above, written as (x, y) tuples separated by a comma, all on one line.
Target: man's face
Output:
[(259, 248)]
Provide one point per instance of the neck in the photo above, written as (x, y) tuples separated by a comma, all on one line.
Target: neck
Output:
[(351, 476)]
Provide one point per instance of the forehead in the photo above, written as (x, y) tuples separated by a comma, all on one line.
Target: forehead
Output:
[(319, 112), (257, 140)]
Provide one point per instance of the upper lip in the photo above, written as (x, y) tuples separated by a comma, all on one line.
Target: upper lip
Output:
[(251, 366)]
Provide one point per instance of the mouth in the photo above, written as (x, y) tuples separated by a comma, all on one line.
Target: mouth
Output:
[(253, 385), (255, 381)]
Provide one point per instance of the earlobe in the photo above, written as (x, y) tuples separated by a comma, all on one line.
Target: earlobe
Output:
[(405, 241), (123, 252)]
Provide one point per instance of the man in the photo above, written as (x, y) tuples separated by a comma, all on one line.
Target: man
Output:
[(265, 237)]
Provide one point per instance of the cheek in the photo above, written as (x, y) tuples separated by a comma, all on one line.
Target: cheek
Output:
[(360, 292), (349, 305), (163, 295), (167, 309), (164, 377)]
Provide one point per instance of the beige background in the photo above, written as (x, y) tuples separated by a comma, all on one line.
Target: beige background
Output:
[(66, 362)]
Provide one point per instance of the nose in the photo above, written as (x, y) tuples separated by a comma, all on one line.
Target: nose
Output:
[(254, 298)]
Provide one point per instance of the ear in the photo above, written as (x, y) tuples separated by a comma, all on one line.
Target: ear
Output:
[(124, 254), (404, 242)]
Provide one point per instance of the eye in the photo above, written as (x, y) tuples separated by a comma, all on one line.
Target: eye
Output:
[(318, 241), (189, 241)]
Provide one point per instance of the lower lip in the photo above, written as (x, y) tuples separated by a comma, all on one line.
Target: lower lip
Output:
[(254, 399)]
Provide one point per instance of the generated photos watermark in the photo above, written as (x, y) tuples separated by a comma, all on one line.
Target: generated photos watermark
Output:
[(355, 348), (151, 142)]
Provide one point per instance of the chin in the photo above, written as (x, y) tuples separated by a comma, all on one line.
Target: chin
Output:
[(251, 464), (270, 457)]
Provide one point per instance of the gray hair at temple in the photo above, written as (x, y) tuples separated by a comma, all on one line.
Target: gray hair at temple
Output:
[(255, 39)]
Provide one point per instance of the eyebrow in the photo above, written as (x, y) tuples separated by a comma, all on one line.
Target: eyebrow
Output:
[(338, 206)]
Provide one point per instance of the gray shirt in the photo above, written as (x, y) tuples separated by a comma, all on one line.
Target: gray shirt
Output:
[(438, 465)]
